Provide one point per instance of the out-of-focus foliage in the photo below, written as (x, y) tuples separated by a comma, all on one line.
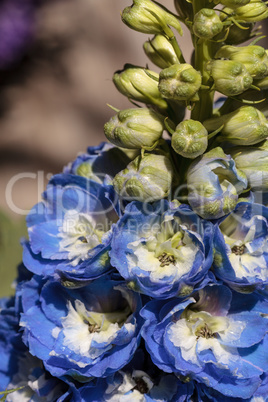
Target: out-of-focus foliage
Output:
[(10, 251)]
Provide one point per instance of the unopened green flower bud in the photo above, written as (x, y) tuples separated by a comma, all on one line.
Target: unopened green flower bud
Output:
[(190, 139), (147, 17), (245, 126), (145, 179), (255, 10), (134, 128), (160, 51), (207, 23), (179, 82), (230, 77), (136, 84), (254, 58), (184, 9), (254, 163), (237, 35), (234, 3)]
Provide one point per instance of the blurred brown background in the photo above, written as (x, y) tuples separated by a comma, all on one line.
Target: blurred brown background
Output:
[(53, 103)]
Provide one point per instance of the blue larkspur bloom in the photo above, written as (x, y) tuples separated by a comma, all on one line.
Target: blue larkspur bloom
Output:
[(139, 381), (162, 250), (241, 248), (214, 184), (211, 337), (70, 231), (100, 163), (138, 386), (19, 369), (85, 332)]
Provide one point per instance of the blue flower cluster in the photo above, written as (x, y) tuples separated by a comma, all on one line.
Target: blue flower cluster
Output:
[(145, 271), (120, 300)]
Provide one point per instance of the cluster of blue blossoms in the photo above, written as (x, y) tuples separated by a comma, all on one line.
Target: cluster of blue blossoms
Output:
[(145, 271), (120, 301)]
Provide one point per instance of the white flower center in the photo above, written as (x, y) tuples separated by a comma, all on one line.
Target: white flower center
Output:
[(82, 327), (199, 331), (246, 246), (132, 388), (79, 234), (169, 252)]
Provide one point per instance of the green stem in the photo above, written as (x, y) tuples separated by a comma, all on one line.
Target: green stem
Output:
[(203, 53), (204, 107), (177, 49), (174, 43)]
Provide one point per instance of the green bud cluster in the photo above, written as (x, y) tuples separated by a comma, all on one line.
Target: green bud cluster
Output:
[(215, 154)]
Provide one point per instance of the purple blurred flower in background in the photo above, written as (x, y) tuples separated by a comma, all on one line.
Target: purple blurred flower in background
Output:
[(17, 27)]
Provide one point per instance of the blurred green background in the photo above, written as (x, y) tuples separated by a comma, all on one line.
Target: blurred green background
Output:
[(11, 231)]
